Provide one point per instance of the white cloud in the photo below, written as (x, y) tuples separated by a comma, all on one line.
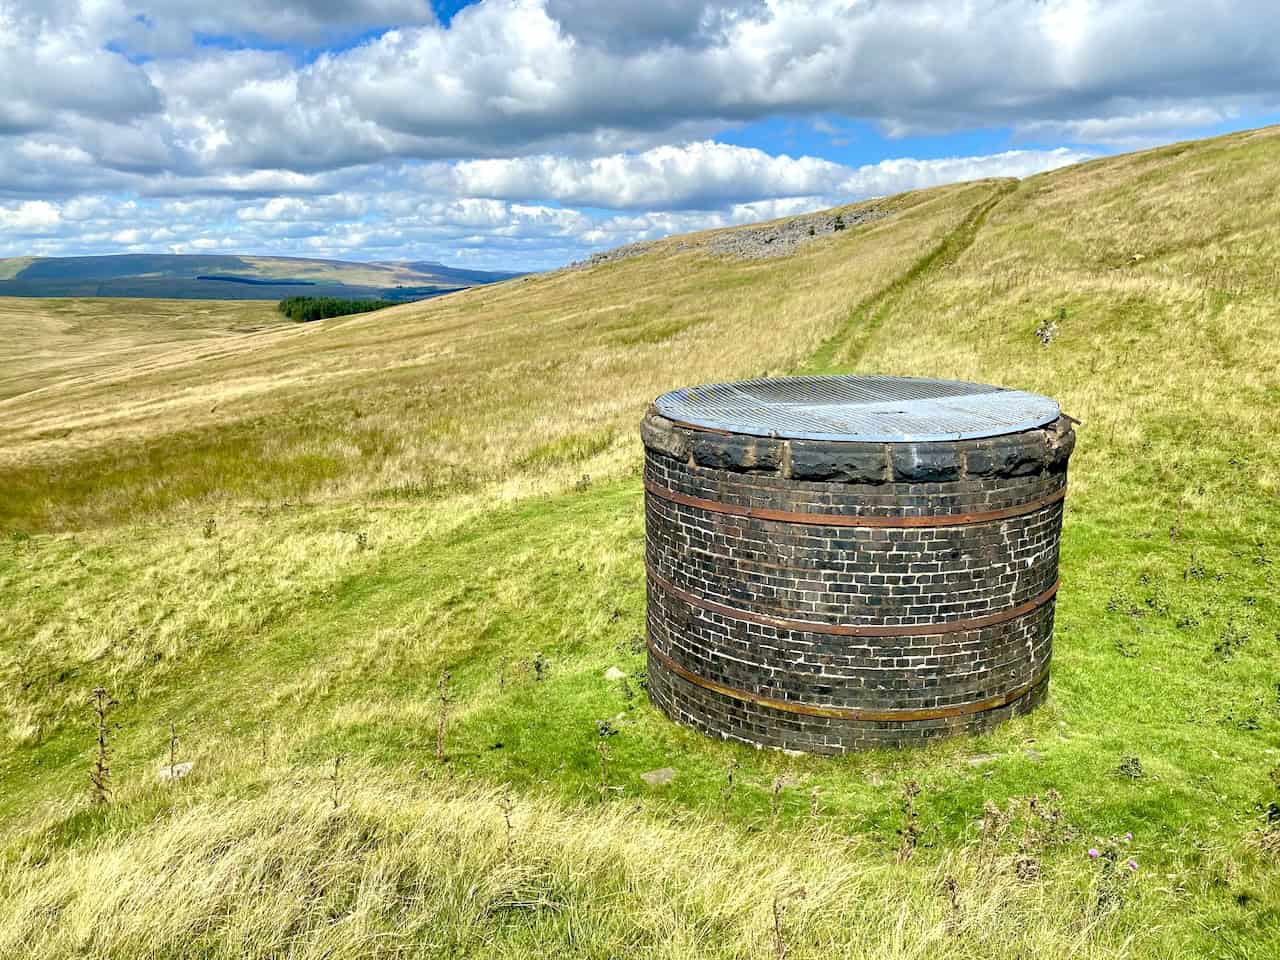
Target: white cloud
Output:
[(53, 65), (507, 73), (305, 209), (894, 176), (1129, 130), (709, 174), (159, 27), (629, 27), (30, 217), (436, 212), (298, 131), (698, 174), (586, 77)]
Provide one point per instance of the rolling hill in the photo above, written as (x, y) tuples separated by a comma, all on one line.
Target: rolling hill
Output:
[(305, 551), (217, 277)]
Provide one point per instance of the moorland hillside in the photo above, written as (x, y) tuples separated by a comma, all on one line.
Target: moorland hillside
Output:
[(304, 545)]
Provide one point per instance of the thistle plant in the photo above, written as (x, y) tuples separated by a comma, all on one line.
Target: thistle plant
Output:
[(173, 751), (335, 782), (952, 887), (775, 799), (1117, 871), (507, 806), (442, 693), (780, 903), (726, 792), (602, 748), (780, 949), (910, 832), (101, 703)]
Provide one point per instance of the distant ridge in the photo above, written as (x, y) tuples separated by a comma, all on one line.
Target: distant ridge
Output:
[(457, 273), (257, 283), (224, 277)]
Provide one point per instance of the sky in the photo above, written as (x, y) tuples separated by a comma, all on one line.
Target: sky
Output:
[(526, 134)]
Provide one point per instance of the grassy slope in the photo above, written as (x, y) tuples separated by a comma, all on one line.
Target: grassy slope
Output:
[(47, 344), (392, 497), (357, 274)]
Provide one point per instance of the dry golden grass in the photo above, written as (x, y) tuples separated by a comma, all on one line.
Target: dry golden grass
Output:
[(270, 866), (51, 344)]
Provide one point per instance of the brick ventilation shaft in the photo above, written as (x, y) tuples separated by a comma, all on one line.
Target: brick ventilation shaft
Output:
[(828, 595)]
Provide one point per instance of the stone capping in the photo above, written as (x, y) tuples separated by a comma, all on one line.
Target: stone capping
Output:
[(1027, 453)]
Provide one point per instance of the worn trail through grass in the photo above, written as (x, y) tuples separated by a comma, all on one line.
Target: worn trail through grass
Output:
[(844, 351)]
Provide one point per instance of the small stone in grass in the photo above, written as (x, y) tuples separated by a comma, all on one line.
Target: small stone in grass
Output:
[(660, 777), (175, 772), (613, 673)]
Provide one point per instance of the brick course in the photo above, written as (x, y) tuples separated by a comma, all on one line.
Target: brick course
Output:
[(756, 606)]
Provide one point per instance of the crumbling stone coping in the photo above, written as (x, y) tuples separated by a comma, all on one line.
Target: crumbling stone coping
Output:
[(1027, 453)]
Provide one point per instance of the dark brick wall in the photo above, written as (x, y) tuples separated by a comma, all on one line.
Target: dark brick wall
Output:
[(731, 719), (721, 583)]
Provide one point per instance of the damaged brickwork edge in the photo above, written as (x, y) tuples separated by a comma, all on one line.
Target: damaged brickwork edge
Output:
[(1027, 453)]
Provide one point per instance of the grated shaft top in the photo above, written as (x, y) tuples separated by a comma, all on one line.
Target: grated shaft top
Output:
[(858, 408)]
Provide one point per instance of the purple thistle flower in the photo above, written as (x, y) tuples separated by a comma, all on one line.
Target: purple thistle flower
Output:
[(1093, 853), (1132, 864)]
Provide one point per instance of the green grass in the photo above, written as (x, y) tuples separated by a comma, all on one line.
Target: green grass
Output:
[(479, 508)]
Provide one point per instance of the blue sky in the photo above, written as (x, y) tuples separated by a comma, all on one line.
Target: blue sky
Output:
[(524, 134)]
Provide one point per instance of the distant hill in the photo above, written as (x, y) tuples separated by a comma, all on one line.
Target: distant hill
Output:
[(456, 274), (218, 277)]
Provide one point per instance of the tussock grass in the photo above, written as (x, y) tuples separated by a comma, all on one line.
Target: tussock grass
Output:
[(282, 539), (269, 867)]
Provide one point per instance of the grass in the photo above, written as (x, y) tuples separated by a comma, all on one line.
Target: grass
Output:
[(51, 344), (432, 870), (280, 541)]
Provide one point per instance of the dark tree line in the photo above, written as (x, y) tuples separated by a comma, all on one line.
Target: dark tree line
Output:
[(306, 309)]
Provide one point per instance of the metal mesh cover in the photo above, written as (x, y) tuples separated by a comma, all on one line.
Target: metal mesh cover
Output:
[(880, 409)]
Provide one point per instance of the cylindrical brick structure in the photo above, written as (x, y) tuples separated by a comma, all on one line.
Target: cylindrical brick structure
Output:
[(846, 562)]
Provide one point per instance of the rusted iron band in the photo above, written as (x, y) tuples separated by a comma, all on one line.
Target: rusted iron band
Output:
[(845, 520), (854, 630), (853, 713)]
